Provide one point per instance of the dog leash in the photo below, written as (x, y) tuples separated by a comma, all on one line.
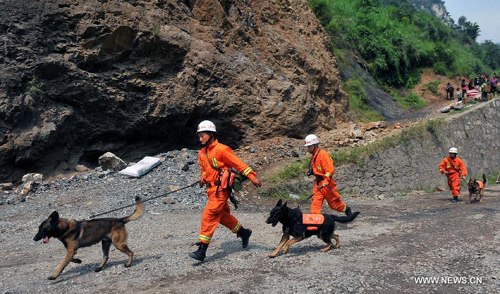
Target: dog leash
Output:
[(310, 196), (145, 200)]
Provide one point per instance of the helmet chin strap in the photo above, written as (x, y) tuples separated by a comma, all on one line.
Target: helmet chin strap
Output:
[(209, 141)]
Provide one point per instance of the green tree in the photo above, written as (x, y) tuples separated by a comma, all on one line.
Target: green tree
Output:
[(491, 54)]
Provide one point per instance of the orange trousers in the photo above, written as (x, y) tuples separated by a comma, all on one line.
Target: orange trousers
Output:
[(454, 184), (216, 211), (331, 195)]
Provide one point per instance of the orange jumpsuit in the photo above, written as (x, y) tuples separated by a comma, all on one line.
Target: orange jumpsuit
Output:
[(218, 156), (453, 166), (322, 167)]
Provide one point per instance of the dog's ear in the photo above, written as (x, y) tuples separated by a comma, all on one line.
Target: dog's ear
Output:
[(54, 217), (284, 204), (280, 202)]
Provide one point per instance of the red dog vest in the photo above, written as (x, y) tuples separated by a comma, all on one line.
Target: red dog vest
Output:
[(313, 219)]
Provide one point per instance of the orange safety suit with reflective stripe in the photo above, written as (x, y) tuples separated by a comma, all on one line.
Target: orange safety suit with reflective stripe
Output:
[(453, 168), (322, 167), (211, 158)]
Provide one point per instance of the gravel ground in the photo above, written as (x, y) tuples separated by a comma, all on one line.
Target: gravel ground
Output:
[(393, 242)]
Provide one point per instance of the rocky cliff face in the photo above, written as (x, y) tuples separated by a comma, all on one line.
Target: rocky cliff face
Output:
[(79, 78), (434, 7)]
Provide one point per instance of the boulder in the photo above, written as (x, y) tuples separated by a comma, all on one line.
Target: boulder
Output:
[(375, 125), (32, 177), (6, 186), (30, 182), (81, 168), (109, 161)]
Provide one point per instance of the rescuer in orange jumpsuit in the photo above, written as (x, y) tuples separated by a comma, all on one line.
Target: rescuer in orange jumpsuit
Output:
[(324, 185), (454, 168), (215, 159)]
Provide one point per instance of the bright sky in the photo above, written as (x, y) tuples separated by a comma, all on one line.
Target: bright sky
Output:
[(485, 12)]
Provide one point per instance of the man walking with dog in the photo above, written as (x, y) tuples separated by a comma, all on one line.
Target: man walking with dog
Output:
[(454, 169), (324, 185), (216, 160)]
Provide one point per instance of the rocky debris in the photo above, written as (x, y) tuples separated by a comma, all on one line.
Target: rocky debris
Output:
[(6, 186), (109, 161), (280, 149), (32, 177), (81, 168), (375, 125), (356, 132), (29, 182), (455, 106), (111, 189), (85, 77)]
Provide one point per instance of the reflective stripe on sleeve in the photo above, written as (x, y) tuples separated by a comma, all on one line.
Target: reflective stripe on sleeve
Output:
[(247, 171)]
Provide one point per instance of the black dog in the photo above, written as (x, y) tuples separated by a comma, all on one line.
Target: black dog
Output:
[(76, 234), (292, 220)]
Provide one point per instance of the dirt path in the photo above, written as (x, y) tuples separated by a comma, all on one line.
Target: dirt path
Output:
[(394, 241)]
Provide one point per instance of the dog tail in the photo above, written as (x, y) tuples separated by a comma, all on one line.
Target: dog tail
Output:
[(138, 212), (484, 179), (345, 219)]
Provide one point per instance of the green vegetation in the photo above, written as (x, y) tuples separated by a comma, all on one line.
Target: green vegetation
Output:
[(492, 177), (357, 101), (155, 31), (433, 87), (291, 171), (410, 101), (397, 41), (34, 87)]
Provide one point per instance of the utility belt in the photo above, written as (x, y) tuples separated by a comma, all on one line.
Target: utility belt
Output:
[(213, 184)]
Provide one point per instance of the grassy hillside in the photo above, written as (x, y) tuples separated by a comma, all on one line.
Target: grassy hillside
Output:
[(396, 40)]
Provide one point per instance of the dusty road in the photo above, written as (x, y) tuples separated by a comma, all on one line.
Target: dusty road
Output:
[(394, 242)]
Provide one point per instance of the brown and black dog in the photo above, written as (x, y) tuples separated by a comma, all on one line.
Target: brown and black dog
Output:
[(293, 225), (76, 234), (476, 188)]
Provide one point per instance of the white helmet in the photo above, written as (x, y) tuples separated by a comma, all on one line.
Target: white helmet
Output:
[(311, 140), (206, 126), (453, 150)]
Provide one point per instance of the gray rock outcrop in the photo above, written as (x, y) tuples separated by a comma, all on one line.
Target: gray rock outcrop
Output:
[(79, 78)]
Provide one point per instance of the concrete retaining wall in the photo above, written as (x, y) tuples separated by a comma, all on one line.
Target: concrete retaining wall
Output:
[(413, 164)]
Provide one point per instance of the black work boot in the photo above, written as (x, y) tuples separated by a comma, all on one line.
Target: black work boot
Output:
[(245, 236), (200, 253), (348, 211)]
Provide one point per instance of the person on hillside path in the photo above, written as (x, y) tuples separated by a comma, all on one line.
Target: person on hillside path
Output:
[(449, 92), (494, 83), (324, 186), (463, 84), (454, 168), (459, 95), (216, 160), (484, 91)]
